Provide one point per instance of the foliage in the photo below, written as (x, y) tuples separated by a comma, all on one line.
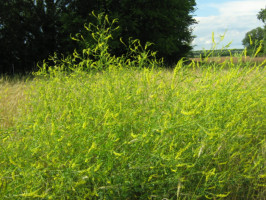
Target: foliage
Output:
[(256, 37), (30, 31), (253, 39), (262, 16), (96, 53), (164, 23)]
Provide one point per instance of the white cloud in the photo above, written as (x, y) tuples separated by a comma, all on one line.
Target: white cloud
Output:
[(235, 18), (240, 8)]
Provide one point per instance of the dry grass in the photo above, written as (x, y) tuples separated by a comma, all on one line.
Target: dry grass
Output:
[(12, 93)]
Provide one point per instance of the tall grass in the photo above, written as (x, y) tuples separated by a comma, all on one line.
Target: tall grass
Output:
[(138, 133), (11, 95)]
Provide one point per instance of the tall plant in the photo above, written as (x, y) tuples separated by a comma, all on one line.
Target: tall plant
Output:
[(96, 52)]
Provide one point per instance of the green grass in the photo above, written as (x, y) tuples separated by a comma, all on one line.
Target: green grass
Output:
[(139, 134), (124, 128)]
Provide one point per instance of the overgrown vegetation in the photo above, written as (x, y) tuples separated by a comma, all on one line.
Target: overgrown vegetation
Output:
[(91, 127)]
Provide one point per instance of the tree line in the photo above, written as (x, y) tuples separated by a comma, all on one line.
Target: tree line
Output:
[(215, 53), (31, 30)]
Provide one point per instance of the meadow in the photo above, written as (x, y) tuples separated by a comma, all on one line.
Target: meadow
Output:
[(119, 128), (249, 60)]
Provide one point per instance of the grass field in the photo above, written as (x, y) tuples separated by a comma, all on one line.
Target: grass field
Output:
[(234, 60), (135, 134), (125, 128)]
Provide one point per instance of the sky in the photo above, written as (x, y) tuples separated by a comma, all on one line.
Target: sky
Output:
[(234, 18)]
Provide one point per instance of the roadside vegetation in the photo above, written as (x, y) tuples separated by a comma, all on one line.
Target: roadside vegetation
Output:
[(96, 126)]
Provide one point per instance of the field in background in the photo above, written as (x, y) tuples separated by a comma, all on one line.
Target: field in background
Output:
[(135, 134), (234, 60)]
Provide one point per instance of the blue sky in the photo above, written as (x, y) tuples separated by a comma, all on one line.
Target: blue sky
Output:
[(232, 17)]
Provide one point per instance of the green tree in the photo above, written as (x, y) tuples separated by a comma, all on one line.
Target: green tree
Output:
[(262, 16), (31, 30), (164, 23), (27, 33), (12, 34), (256, 36), (252, 40)]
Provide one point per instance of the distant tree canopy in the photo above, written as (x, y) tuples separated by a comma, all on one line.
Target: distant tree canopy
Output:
[(262, 16), (31, 30), (253, 38), (215, 53)]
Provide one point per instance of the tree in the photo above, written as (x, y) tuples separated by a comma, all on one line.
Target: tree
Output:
[(31, 30), (256, 36), (252, 40), (12, 34), (262, 16), (27, 34), (164, 23)]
